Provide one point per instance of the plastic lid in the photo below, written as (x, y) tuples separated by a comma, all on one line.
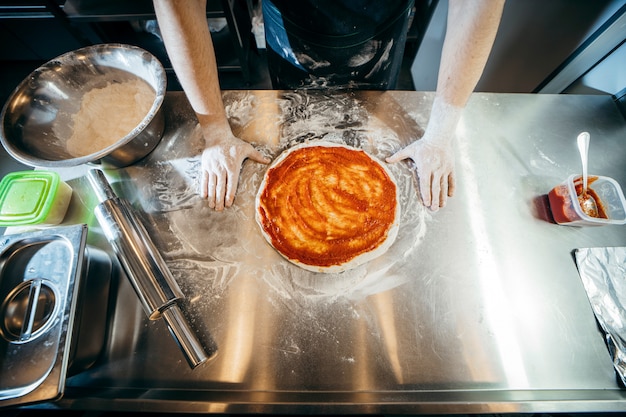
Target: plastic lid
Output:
[(26, 197)]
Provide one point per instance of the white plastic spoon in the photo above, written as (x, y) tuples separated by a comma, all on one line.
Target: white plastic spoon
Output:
[(587, 202)]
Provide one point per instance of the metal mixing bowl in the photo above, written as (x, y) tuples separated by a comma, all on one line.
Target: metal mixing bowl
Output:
[(37, 117)]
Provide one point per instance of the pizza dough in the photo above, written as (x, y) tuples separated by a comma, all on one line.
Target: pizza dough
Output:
[(327, 207), (108, 114)]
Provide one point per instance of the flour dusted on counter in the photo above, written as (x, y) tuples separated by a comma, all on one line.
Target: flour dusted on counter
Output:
[(108, 114)]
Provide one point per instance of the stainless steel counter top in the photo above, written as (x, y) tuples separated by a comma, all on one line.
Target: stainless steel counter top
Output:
[(476, 308)]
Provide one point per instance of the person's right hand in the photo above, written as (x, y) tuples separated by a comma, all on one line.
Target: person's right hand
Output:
[(220, 167)]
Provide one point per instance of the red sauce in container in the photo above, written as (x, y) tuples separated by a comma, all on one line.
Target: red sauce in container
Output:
[(561, 203)]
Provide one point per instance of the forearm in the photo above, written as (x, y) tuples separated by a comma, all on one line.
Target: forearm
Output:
[(190, 49), (472, 27)]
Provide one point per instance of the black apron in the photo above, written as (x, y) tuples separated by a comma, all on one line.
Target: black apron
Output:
[(335, 43)]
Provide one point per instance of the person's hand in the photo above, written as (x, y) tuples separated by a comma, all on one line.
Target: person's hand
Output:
[(434, 163), (220, 167)]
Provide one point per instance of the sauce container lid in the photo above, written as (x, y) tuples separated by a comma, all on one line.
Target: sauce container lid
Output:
[(26, 197)]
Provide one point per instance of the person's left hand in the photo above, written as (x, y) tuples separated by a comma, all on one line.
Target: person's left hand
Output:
[(434, 163)]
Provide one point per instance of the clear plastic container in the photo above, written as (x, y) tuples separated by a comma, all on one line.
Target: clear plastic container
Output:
[(33, 197), (609, 197)]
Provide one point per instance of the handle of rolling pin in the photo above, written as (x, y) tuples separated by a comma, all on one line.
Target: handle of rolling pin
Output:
[(184, 336)]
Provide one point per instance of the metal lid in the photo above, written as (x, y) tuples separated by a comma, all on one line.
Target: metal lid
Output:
[(38, 310)]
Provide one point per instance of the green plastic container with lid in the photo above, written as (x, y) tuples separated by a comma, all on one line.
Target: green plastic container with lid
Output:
[(33, 197)]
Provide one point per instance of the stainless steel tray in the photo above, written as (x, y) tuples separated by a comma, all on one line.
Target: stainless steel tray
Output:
[(43, 275)]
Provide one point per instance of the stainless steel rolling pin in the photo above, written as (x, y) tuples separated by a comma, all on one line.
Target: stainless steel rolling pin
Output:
[(145, 268)]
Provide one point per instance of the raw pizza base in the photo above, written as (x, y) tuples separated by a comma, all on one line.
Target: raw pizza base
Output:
[(358, 260)]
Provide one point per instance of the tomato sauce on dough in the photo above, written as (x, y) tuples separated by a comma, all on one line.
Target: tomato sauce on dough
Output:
[(324, 206)]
